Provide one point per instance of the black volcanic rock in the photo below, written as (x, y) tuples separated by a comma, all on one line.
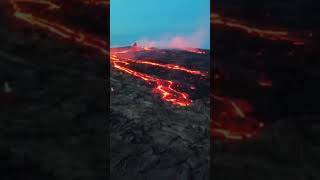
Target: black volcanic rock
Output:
[(285, 146), (55, 126), (151, 138)]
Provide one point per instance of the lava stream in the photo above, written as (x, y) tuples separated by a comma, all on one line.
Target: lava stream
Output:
[(62, 31), (232, 120), (166, 66), (164, 87), (269, 34)]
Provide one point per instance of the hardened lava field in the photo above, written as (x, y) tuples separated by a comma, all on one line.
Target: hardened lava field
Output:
[(264, 97), (160, 111)]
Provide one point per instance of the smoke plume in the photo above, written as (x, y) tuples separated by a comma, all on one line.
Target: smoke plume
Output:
[(196, 39)]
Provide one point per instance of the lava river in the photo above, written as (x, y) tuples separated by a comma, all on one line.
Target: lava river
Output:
[(232, 117)]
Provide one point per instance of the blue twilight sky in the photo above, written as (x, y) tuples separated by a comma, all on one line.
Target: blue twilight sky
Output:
[(133, 20)]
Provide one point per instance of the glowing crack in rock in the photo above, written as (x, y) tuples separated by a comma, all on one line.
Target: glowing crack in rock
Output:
[(166, 88), (270, 34), (232, 121)]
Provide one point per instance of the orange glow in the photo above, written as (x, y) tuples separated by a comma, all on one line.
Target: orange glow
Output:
[(56, 28), (232, 118), (164, 87), (232, 121), (169, 66), (269, 34)]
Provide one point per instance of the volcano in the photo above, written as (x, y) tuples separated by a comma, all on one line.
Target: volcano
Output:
[(155, 67), (160, 111)]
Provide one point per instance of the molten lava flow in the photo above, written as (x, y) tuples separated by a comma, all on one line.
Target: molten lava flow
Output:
[(147, 46), (231, 121), (274, 35), (166, 88), (174, 67), (163, 87), (167, 66), (62, 31), (232, 117)]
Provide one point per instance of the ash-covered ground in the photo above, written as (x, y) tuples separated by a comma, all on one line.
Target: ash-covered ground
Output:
[(287, 146), (154, 139)]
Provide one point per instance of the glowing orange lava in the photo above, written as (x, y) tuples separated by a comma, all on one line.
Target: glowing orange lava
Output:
[(269, 34), (166, 88), (167, 66), (232, 120), (58, 29)]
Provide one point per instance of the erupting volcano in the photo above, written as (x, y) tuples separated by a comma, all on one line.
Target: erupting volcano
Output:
[(168, 89)]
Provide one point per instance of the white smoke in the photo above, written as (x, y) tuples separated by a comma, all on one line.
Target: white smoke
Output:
[(194, 40)]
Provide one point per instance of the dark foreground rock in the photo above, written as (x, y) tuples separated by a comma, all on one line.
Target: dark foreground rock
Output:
[(53, 120), (284, 149)]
